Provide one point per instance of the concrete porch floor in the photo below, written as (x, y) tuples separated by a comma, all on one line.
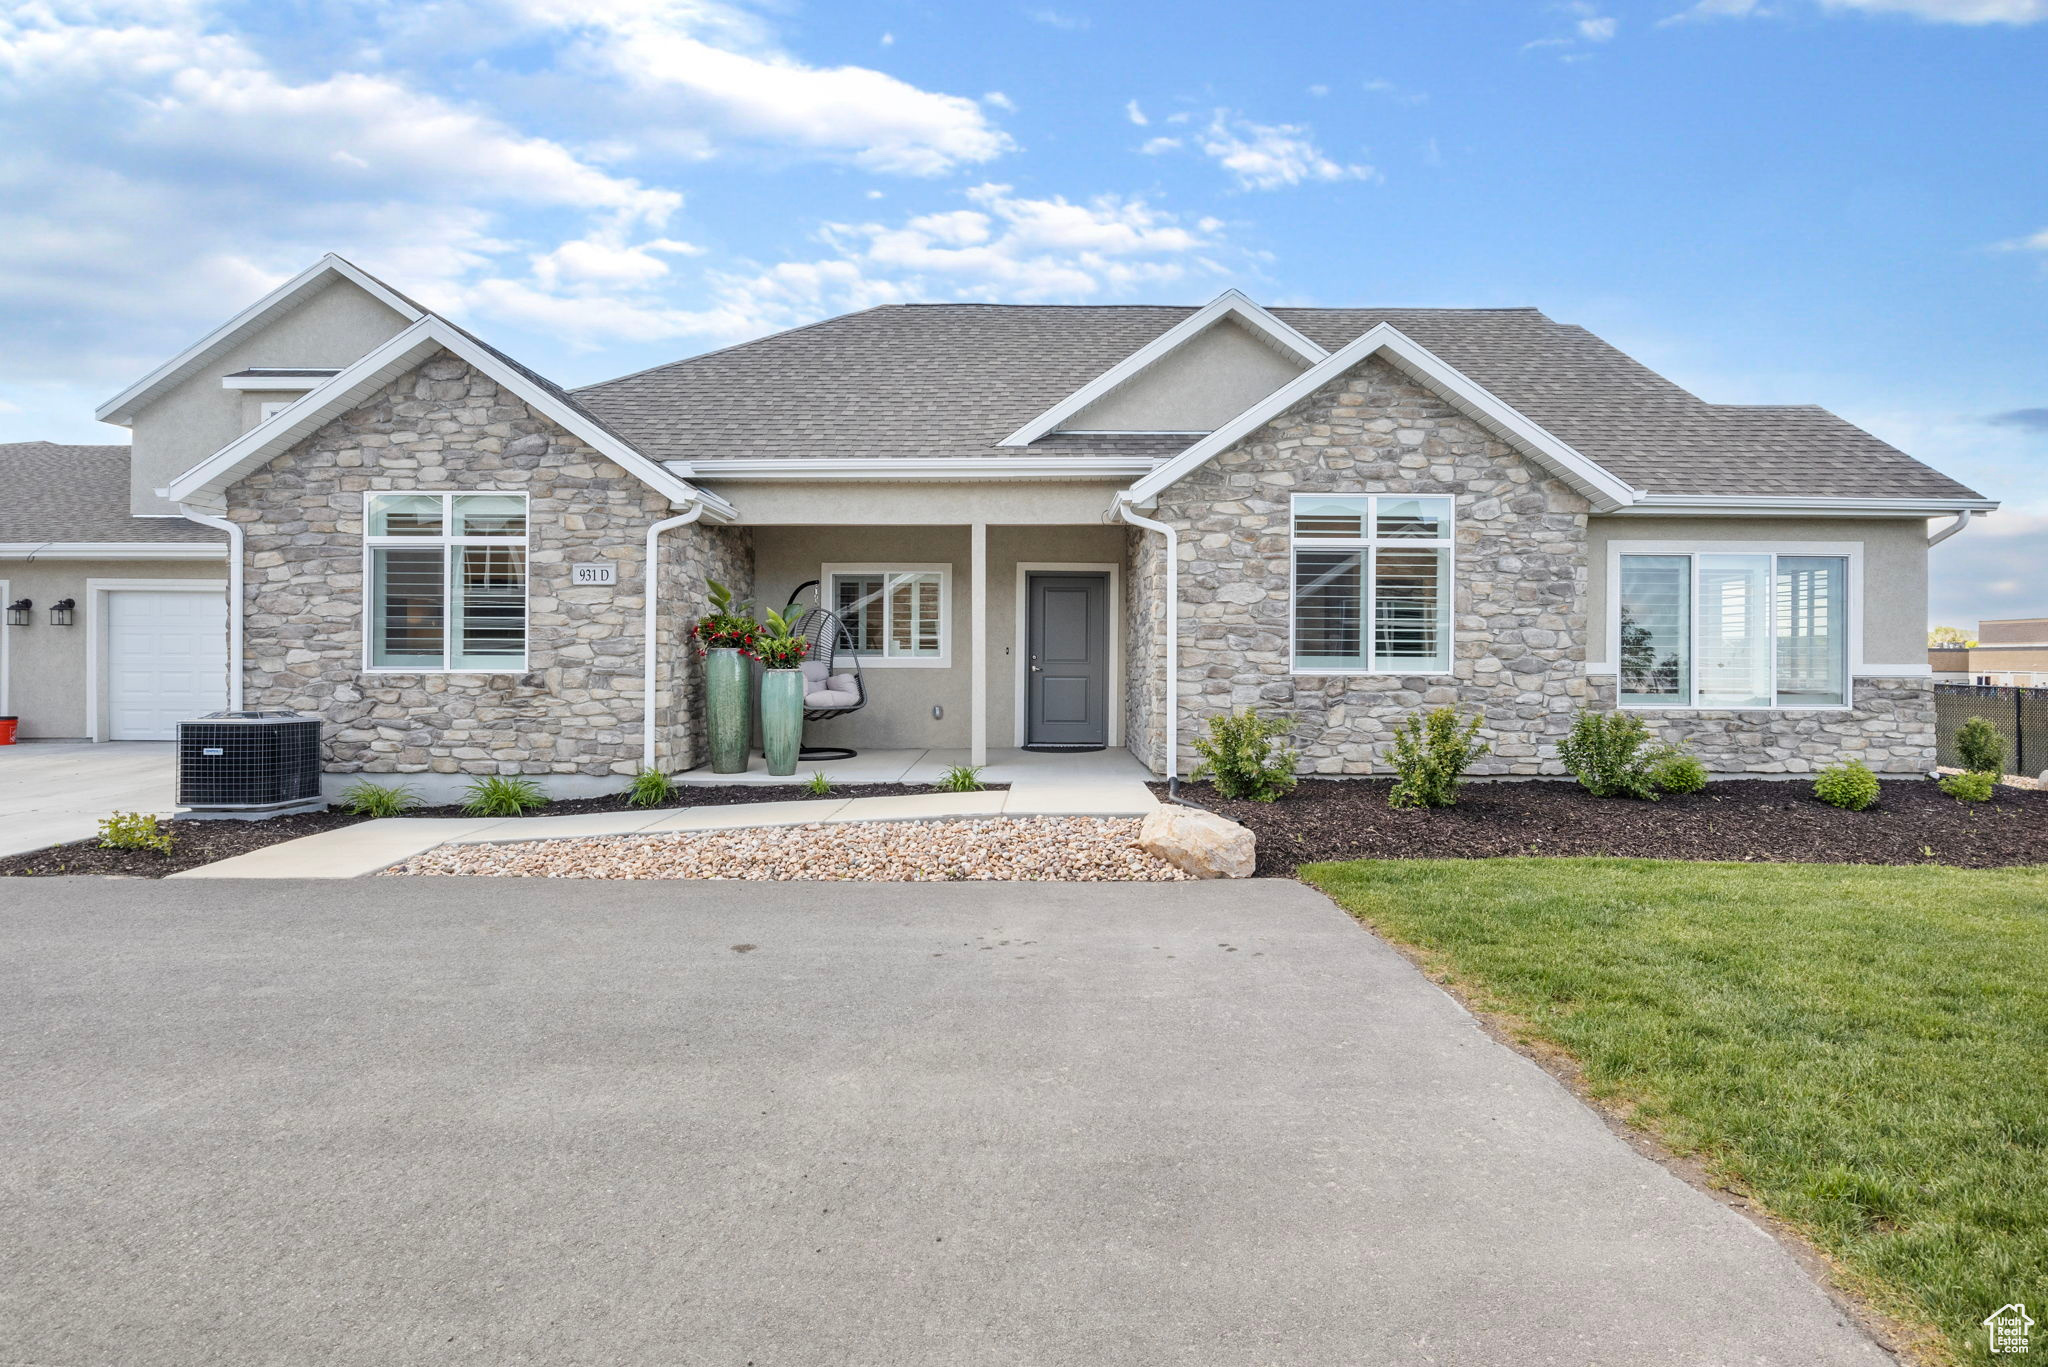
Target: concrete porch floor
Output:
[(923, 767)]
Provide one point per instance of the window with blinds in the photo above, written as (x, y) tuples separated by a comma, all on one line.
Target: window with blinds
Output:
[(447, 577), (895, 614), (1372, 586), (1729, 629)]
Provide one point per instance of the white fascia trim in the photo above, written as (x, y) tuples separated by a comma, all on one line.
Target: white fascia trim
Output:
[(268, 383), (112, 550), (205, 484), (941, 468), (1418, 361), (1231, 303), (1788, 505), (118, 409)]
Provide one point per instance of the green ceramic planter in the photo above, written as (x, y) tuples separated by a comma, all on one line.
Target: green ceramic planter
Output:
[(726, 675), (782, 718)]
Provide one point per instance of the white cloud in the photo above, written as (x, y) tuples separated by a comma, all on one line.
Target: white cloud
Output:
[(1968, 12), (1135, 114), (1271, 156), (998, 100), (1153, 147), (1991, 569), (1059, 19), (1598, 29), (1318, 91), (1380, 85)]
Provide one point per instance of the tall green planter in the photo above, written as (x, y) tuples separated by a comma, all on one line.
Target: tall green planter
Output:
[(782, 718), (726, 675)]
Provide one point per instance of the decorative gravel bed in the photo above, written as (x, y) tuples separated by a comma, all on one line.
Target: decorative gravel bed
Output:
[(1031, 849), (1769, 820)]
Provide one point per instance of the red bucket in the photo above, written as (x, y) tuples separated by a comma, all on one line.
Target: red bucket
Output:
[(7, 725)]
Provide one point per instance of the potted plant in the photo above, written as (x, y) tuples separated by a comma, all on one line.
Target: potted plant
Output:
[(781, 653), (725, 638)]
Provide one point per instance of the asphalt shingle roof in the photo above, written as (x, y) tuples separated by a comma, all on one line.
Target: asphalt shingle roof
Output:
[(954, 379), (77, 493)]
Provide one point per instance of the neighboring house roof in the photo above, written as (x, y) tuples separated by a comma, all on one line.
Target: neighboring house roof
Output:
[(955, 380), (70, 494)]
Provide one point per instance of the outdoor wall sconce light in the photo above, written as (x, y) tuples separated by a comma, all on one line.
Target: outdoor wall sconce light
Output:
[(17, 612), (60, 612)]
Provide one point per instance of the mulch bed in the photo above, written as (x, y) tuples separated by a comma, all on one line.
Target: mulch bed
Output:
[(1747, 819), (208, 842)]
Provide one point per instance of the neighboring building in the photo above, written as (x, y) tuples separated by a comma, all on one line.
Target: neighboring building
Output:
[(1054, 526), (2009, 652)]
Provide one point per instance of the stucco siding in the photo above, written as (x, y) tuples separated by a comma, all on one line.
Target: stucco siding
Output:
[(1203, 384)]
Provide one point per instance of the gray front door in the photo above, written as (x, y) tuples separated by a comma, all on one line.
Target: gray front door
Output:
[(1067, 674)]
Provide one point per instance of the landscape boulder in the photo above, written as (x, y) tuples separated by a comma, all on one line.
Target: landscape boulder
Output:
[(1198, 842)]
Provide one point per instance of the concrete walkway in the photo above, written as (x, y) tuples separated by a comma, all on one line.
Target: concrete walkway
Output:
[(354, 851), (54, 791), (500, 1121), (923, 767)]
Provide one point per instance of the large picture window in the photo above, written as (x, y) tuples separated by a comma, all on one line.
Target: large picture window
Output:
[(447, 577), (1372, 584), (896, 614), (1733, 629)]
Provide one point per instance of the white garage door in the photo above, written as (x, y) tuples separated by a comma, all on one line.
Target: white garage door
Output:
[(167, 661)]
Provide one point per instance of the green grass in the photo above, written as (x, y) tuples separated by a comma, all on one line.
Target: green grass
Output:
[(1862, 1049)]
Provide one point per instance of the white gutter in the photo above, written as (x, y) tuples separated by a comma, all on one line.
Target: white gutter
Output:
[(1121, 508), (234, 531), (1963, 520), (944, 469), (653, 581), (110, 550)]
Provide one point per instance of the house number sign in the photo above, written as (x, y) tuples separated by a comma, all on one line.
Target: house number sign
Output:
[(594, 574)]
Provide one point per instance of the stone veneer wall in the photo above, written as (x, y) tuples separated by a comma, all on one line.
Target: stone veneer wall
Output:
[(1518, 617), (1144, 628), (1890, 727), (573, 717)]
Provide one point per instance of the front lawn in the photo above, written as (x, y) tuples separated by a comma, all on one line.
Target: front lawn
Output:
[(1860, 1049)]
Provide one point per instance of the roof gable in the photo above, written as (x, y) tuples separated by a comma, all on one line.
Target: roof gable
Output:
[(1231, 306), (290, 295)]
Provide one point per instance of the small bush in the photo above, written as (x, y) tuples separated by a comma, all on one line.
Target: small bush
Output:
[(817, 785), (1850, 786), (501, 796), (1240, 758), (365, 798), (1606, 753), (135, 831), (1980, 747), (1970, 787), (1675, 771), (1431, 755), (651, 788), (961, 778)]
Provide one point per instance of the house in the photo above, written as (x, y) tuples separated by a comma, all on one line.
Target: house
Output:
[(1047, 526), (2008, 652)]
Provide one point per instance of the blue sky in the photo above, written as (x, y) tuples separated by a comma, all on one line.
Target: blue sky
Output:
[(1841, 202)]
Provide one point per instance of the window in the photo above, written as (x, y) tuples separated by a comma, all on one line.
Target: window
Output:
[(1372, 584), (896, 614), (1733, 629), (447, 576)]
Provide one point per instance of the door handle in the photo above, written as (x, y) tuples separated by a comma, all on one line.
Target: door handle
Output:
[(1034, 669)]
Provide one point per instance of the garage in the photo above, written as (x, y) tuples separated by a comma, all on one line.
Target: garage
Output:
[(167, 659)]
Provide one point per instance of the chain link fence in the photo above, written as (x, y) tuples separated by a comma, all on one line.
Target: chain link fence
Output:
[(2020, 714)]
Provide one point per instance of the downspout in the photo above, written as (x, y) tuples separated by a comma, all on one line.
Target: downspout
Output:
[(1121, 508), (234, 531), (1963, 520), (653, 619)]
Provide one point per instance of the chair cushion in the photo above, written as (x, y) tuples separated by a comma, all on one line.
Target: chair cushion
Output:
[(814, 673), (831, 697)]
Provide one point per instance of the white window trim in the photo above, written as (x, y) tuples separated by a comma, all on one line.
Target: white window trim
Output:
[(443, 542), (1852, 610), (1448, 541), (98, 648), (1027, 568), (878, 660)]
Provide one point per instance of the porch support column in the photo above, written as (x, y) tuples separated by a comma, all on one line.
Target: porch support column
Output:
[(977, 617)]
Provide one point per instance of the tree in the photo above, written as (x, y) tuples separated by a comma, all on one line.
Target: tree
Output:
[(1949, 636)]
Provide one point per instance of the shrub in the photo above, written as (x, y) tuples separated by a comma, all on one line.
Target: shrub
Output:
[(1850, 786), (1431, 755), (729, 624), (961, 778), (1239, 756), (134, 831), (1976, 786), (1605, 753), (364, 798), (1675, 771), (778, 646), (501, 796), (817, 785), (651, 788), (1980, 747)]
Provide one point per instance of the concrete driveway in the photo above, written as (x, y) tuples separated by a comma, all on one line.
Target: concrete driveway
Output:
[(52, 791), (434, 1121)]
